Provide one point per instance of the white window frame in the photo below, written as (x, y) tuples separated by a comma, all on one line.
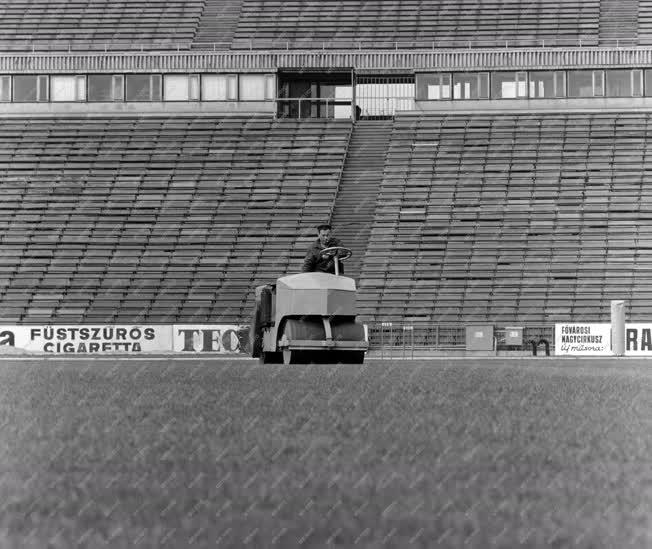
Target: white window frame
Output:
[(440, 79), (43, 83), (556, 76), (5, 82), (637, 74), (598, 78), (270, 87), (118, 84), (194, 87), (232, 87), (484, 76), (481, 77), (521, 85)]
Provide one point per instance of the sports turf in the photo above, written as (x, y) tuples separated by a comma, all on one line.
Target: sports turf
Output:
[(439, 454)]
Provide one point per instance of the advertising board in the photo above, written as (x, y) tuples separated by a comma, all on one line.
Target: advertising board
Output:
[(87, 339), (583, 339), (124, 339)]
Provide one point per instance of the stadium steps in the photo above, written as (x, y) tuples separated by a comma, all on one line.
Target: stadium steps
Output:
[(217, 24), (361, 178), (619, 22)]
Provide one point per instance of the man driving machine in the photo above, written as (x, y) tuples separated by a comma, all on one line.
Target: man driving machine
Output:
[(318, 258)]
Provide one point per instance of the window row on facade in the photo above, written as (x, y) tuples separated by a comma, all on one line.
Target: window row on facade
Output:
[(138, 87), (446, 86), (430, 86)]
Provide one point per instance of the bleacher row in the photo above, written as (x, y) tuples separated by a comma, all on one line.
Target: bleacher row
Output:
[(220, 24), (157, 219), (83, 25), (388, 21), (526, 218), (155, 22)]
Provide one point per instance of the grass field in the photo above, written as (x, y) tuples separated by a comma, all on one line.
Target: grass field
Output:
[(443, 454)]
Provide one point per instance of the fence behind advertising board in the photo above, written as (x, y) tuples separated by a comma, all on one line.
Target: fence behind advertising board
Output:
[(408, 337)]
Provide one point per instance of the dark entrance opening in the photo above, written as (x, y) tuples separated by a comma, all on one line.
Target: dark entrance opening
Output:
[(312, 94)]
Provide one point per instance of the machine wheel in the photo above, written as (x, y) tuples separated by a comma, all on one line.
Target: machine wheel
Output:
[(267, 357), (296, 357)]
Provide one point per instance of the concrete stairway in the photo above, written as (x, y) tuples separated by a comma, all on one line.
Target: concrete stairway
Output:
[(355, 205), (619, 20), (217, 24)]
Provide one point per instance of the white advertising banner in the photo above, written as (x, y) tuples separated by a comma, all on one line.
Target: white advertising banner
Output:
[(82, 339), (210, 338), (580, 339), (595, 339)]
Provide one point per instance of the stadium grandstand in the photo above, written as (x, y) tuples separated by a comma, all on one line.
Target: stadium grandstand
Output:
[(486, 161)]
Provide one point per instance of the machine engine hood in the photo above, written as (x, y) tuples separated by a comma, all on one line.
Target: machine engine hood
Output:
[(316, 281)]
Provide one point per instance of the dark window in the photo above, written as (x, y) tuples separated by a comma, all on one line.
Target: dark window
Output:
[(105, 87), (547, 84), (586, 83), (648, 82), (143, 87), (560, 84), (637, 83), (471, 85), (433, 87), (30, 87), (624, 83), (118, 87), (5, 88)]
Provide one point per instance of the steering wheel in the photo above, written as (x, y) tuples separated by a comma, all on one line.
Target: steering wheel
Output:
[(334, 250)]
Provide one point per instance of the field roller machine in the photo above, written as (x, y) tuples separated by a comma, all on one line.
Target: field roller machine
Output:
[(308, 317)]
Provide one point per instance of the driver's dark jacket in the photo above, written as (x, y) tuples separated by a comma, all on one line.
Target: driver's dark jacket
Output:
[(315, 262)]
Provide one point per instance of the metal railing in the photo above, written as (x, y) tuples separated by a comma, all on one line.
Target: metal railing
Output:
[(311, 44), (150, 60), (82, 46), (317, 107), (308, 44), (309, 107), (371, 107)]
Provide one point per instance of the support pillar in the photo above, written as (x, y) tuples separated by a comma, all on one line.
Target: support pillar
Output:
[(618, 327)]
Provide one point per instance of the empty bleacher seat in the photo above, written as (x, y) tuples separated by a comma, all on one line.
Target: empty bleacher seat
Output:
[(90, 24), (444, 23), (99, 232), (519, 230)]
